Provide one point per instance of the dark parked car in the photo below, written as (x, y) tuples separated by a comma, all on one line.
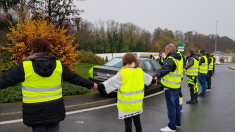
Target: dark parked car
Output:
[(111, 68)]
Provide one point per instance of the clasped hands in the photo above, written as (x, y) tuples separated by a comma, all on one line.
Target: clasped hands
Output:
[(95, 87)]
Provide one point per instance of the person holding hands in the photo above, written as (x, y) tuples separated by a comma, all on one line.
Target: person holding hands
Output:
[(130, 82)]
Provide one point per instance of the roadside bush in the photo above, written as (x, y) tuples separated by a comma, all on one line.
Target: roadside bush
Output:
[(71, 89), (89, 57), (14, 93), (11, 94)]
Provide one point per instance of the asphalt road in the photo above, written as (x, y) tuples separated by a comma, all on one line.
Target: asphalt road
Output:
[(213, 113)]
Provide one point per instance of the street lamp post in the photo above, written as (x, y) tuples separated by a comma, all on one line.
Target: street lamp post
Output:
[(216, 37)]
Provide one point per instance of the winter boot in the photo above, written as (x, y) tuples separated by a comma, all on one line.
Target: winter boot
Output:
[(192, 101), (196, 95)]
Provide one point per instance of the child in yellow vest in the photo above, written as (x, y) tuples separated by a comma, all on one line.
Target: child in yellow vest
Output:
[(130, 82)]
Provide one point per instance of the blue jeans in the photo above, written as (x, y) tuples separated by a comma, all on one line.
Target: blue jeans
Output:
[(202, 79), (173, 107), (46, 128)]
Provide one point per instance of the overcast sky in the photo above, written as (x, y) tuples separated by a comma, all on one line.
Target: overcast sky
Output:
[(185, 15)]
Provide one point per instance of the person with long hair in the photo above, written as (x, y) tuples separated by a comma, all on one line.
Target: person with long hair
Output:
[(130, 82)]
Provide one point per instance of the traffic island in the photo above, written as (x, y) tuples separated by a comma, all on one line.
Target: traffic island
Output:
[(232, 67)]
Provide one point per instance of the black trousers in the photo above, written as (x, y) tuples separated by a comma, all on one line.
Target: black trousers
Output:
[(128, 123), (46, 128)]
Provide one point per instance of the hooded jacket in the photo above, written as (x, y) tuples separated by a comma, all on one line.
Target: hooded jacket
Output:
[(49, 112), (169, 65), (191, 61)]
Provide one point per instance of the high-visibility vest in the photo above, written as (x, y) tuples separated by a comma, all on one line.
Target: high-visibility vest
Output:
[(203, 68), (131, 94), (160, 59), (211, 64), (37, 89), (152, 58), (172, 79), (181, 64), (91, 71), (193, 70)]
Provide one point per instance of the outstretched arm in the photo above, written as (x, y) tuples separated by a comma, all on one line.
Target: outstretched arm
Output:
[(12, 77), (112, 84), (74, 78)]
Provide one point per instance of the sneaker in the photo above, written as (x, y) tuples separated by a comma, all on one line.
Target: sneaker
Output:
[(208, 90), (167, 129), (178, 126)]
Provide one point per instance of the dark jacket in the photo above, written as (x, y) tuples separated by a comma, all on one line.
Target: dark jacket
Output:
[(169, 65), (45, 112), (191, 61)]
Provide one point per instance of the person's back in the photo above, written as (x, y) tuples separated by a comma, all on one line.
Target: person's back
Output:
[(129, 82), (41, 74)]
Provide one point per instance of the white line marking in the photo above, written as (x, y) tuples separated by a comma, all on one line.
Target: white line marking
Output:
[(80, 111), (11, 121)]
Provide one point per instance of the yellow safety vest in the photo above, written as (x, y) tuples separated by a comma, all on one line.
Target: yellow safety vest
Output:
[(204, 66), (160, 59), (91, 71), (181, 64), (172, 79), (193, 70), (131, 94), (37, 89), (211, 64)]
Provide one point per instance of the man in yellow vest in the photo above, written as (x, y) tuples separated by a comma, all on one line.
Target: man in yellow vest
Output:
[(41, 74), (161, 59), (191, 70), (203, 69), (210, 71), (171, 80)]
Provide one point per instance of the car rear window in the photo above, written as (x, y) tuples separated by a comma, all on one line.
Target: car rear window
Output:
[(115, 62), (156, 65)]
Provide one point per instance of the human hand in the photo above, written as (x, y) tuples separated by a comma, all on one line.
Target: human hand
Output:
[(155, 84), (95, 87), (155, 78), (184, 70)]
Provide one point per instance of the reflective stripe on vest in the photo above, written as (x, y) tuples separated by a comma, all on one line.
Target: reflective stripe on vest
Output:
[(181, 64), (203, 68), (132, 90), (193, 70), (211, 64), (36, 89), (172, 79)]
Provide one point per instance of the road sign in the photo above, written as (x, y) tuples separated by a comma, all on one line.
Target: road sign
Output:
[(181, 44), (180, 47)]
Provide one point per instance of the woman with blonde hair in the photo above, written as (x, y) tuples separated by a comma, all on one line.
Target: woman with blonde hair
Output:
[(130, 82)]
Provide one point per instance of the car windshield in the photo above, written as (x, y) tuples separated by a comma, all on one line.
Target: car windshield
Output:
[(115, 62)]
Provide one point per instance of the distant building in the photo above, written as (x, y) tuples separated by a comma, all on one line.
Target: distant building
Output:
[(224, 57)]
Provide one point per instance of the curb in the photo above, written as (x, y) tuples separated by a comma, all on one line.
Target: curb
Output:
[(18, 115)]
